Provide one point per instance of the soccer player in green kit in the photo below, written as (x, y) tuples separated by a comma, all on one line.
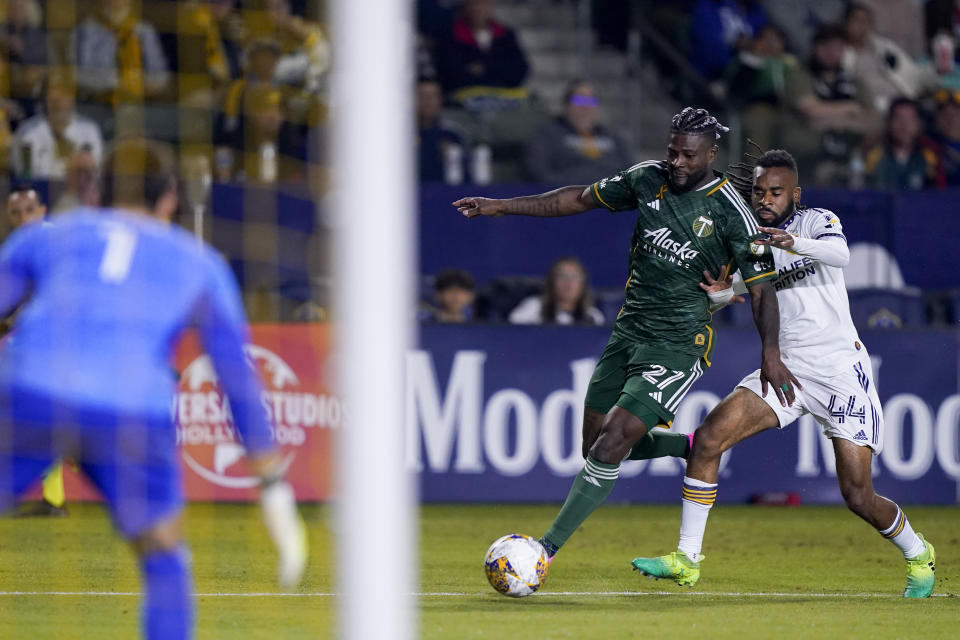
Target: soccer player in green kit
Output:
[(690, 221)]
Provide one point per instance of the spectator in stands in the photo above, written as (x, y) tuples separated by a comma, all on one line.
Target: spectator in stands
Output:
[(566, 298), (575, 148), (43, 145), (271, 149), (760, 80), (479, 52), (758, 74), (802, 19), (200, 75), (947, 134), (902, 22), (229, 25), (81, 186), (832, 105), (454, 292), (305, 52), (442, 149), (260, 65), (24, 206), (906, 160), (719, 29), (118, 56), (879, 64), (23, 44)]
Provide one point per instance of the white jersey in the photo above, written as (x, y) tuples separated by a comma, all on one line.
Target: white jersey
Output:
[(817, 334)]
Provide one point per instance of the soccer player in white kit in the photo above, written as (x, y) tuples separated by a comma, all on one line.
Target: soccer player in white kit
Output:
[(820, 345)]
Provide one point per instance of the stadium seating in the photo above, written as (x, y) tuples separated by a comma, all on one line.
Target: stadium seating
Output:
[(886, 309), (872, 266), (500, 296)]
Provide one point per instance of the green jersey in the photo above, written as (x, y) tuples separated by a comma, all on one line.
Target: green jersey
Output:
[(677, 237)]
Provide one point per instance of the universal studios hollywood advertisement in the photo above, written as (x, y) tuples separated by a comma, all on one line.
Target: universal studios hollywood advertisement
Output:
[(493, 415)]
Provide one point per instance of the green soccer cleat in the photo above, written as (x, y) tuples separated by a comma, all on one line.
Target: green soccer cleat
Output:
[(674, 566), (920, 572)]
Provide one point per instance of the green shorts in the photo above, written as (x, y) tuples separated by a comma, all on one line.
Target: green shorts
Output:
[(642, 379)]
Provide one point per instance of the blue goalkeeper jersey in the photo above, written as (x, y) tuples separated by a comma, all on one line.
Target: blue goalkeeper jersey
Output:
[(110, 294)]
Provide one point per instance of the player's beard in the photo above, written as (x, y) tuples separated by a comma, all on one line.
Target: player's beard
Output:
[(691, 182), (779, 220)]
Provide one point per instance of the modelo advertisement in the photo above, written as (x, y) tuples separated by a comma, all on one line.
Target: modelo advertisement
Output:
[(494, 415)]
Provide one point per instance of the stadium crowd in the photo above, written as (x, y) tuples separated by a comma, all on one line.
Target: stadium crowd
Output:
[(241, 88), (865, 94), (841, 69)]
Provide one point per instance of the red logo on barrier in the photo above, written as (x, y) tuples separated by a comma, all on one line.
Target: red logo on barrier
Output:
[(291, 360)]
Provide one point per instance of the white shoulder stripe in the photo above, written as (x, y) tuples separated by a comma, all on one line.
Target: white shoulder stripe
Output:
[(709, 184), (734, 198), (645, 163)]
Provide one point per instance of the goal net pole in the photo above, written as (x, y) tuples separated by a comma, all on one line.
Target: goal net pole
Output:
[(372, 162)]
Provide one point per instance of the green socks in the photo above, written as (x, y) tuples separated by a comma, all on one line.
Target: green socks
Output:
[(590, 488), (658, 443)]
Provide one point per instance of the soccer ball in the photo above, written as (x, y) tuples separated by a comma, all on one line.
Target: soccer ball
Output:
[(516, 565)]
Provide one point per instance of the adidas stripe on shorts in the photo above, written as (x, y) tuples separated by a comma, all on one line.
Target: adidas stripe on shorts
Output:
[(846, 404)]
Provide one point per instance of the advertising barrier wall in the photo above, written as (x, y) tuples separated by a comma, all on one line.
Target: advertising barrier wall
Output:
[(493, 415), (293, 361)]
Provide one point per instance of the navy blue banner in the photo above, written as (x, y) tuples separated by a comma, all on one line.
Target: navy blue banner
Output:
[(494, 415), (910, 225)]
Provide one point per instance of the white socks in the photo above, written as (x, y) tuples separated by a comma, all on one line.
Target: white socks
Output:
[(901, 534), (698, 497)]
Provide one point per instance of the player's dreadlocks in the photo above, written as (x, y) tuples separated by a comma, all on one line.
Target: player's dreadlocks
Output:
[(697, 122), (740, 174)]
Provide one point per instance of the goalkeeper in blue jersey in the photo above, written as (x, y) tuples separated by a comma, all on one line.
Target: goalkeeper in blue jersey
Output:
[(88, 376)]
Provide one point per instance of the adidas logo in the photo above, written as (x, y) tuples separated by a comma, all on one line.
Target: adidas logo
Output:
[(591, 479), (658, 396), (860, 436), (654, 204)]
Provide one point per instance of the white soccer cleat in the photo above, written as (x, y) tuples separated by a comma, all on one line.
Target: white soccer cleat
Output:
[(287, 532)]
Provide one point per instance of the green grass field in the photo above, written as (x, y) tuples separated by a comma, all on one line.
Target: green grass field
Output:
[(771, 572)]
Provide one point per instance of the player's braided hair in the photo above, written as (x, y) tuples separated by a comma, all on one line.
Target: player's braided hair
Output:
[(740, 174), (697, 122)]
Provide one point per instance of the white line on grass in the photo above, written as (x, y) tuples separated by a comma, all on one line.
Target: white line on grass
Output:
[(452, 594)]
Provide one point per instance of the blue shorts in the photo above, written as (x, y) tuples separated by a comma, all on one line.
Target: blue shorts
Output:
[(131, 459)]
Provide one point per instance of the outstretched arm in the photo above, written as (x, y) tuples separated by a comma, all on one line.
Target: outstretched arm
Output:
[(831, 250), (766, 315), (224, 330), (564, 201)]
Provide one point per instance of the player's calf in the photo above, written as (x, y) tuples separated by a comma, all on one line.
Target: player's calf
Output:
[(167, 610)]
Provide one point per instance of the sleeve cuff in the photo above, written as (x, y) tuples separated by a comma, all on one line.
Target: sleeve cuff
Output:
[(597, 199)]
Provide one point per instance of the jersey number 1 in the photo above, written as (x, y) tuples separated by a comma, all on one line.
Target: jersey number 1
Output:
[(115, 264)]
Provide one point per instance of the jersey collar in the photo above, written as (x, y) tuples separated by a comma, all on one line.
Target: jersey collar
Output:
[(709, 184)]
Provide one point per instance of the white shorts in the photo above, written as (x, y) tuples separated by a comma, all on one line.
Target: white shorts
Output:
[(846, 405)]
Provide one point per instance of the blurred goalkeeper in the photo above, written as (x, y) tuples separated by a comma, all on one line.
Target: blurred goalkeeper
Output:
[(88, 376)]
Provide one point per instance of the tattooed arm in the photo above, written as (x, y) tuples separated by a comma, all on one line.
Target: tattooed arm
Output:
[(564, 201)]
